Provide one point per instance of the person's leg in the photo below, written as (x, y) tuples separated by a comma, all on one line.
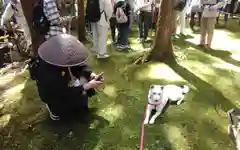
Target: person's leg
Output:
[(175, 23), (182, 20), (113, 28), (102, 42), (95, 36), (192, 20), (199, 18), (140, 26), (203, 31), (147, 23), (227, 10), (125, 31), (119, 39), (210, 30)]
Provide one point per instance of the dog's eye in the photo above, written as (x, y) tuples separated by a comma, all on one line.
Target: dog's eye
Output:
[(154, 93), (159, 94)]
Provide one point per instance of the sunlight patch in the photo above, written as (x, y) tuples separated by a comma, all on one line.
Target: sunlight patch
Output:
[(226, 66), (110, 90), (4, 120), (13, 94), (221, 40), (159, 71), (112, 112), (235, 56), (175, 136), (6, 78)]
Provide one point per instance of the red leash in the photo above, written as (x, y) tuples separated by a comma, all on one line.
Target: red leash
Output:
[(142, 130)]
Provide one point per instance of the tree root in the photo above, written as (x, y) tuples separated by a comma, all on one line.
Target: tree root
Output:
[(142, 59)]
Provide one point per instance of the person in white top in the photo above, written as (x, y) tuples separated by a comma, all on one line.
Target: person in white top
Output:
[(210, 8), (15, 8), (144, 10), (100, 29)]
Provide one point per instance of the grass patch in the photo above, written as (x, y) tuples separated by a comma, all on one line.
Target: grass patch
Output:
[(200, 123)]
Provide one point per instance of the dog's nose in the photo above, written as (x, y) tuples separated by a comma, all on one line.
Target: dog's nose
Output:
[(156, 100)]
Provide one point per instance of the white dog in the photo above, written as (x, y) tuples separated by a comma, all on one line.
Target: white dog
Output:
[(158, 97)]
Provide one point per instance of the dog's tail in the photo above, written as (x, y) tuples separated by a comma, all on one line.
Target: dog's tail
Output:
[(185, 89)]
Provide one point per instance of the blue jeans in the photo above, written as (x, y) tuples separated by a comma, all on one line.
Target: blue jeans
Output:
[(144, 23), (123, 31)]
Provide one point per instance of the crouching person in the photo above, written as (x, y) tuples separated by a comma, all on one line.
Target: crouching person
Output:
[(64, 80)]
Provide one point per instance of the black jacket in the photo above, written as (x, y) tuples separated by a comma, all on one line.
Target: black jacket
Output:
[(52, 84)]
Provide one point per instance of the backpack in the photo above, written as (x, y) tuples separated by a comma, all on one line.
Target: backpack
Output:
[(180, 5), (40, 22), (93, 13), (120, 15)]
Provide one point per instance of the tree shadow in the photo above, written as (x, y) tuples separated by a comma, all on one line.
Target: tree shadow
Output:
[(212, 96), (224, 55), (30, 118)]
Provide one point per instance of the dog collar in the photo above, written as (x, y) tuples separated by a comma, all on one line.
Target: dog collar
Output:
[(154, 104)]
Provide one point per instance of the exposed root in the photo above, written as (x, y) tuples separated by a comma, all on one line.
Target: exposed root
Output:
[(142, 59)]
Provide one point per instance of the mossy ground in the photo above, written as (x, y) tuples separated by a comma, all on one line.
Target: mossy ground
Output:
[(200, 123)]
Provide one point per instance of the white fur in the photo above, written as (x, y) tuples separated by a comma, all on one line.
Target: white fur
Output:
[(158, 97)]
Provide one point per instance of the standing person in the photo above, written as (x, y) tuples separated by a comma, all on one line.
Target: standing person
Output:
[(208, 21), (56, 22), (195, 8), (123, 14), (156, 8), (14, 8), (179, 17), (67, 8), (144, 11), (98, 13), (113, 24), (226, 9)]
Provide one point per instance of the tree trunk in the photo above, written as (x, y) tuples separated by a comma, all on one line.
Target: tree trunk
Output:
[(27, 6), (162, 46), (81, 21)]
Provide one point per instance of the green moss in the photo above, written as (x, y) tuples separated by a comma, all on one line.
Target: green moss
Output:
[(200, 123)]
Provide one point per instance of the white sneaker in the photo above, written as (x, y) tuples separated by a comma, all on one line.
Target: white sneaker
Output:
[(52, 116), (102, 56)]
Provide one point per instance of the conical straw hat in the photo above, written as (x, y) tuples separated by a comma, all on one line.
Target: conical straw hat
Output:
[(63, 50)]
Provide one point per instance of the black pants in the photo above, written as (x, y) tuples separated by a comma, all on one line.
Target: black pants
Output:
[(113, 24), (144, 23), (192, 19)]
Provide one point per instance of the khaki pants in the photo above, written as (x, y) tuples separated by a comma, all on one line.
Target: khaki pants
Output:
[(207, 29), (179, 19)]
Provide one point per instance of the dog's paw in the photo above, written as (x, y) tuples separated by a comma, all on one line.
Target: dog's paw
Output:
[(151, 121), (145, 121), (178, 103)]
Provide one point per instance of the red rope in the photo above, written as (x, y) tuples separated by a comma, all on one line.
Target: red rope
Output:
[(142, 130)]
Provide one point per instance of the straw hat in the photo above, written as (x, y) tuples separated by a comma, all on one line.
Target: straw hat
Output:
[(63, 50)]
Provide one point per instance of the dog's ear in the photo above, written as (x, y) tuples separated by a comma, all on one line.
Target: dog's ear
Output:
[(151, 86)]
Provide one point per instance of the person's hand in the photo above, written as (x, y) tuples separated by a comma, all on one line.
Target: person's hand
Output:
[(99, 77), (92, 84)]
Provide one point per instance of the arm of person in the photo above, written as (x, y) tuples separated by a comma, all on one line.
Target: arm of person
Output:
[(108, 9), (220, 4), (52, 13), (8, 13)]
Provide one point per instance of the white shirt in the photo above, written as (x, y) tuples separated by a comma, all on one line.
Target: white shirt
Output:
[(106, 6)]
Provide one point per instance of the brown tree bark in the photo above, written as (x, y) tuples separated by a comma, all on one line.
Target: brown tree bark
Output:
[(27, 6), (81, 21), (162, 46)]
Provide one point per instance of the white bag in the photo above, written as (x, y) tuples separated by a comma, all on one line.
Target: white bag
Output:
[(120, 16)]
